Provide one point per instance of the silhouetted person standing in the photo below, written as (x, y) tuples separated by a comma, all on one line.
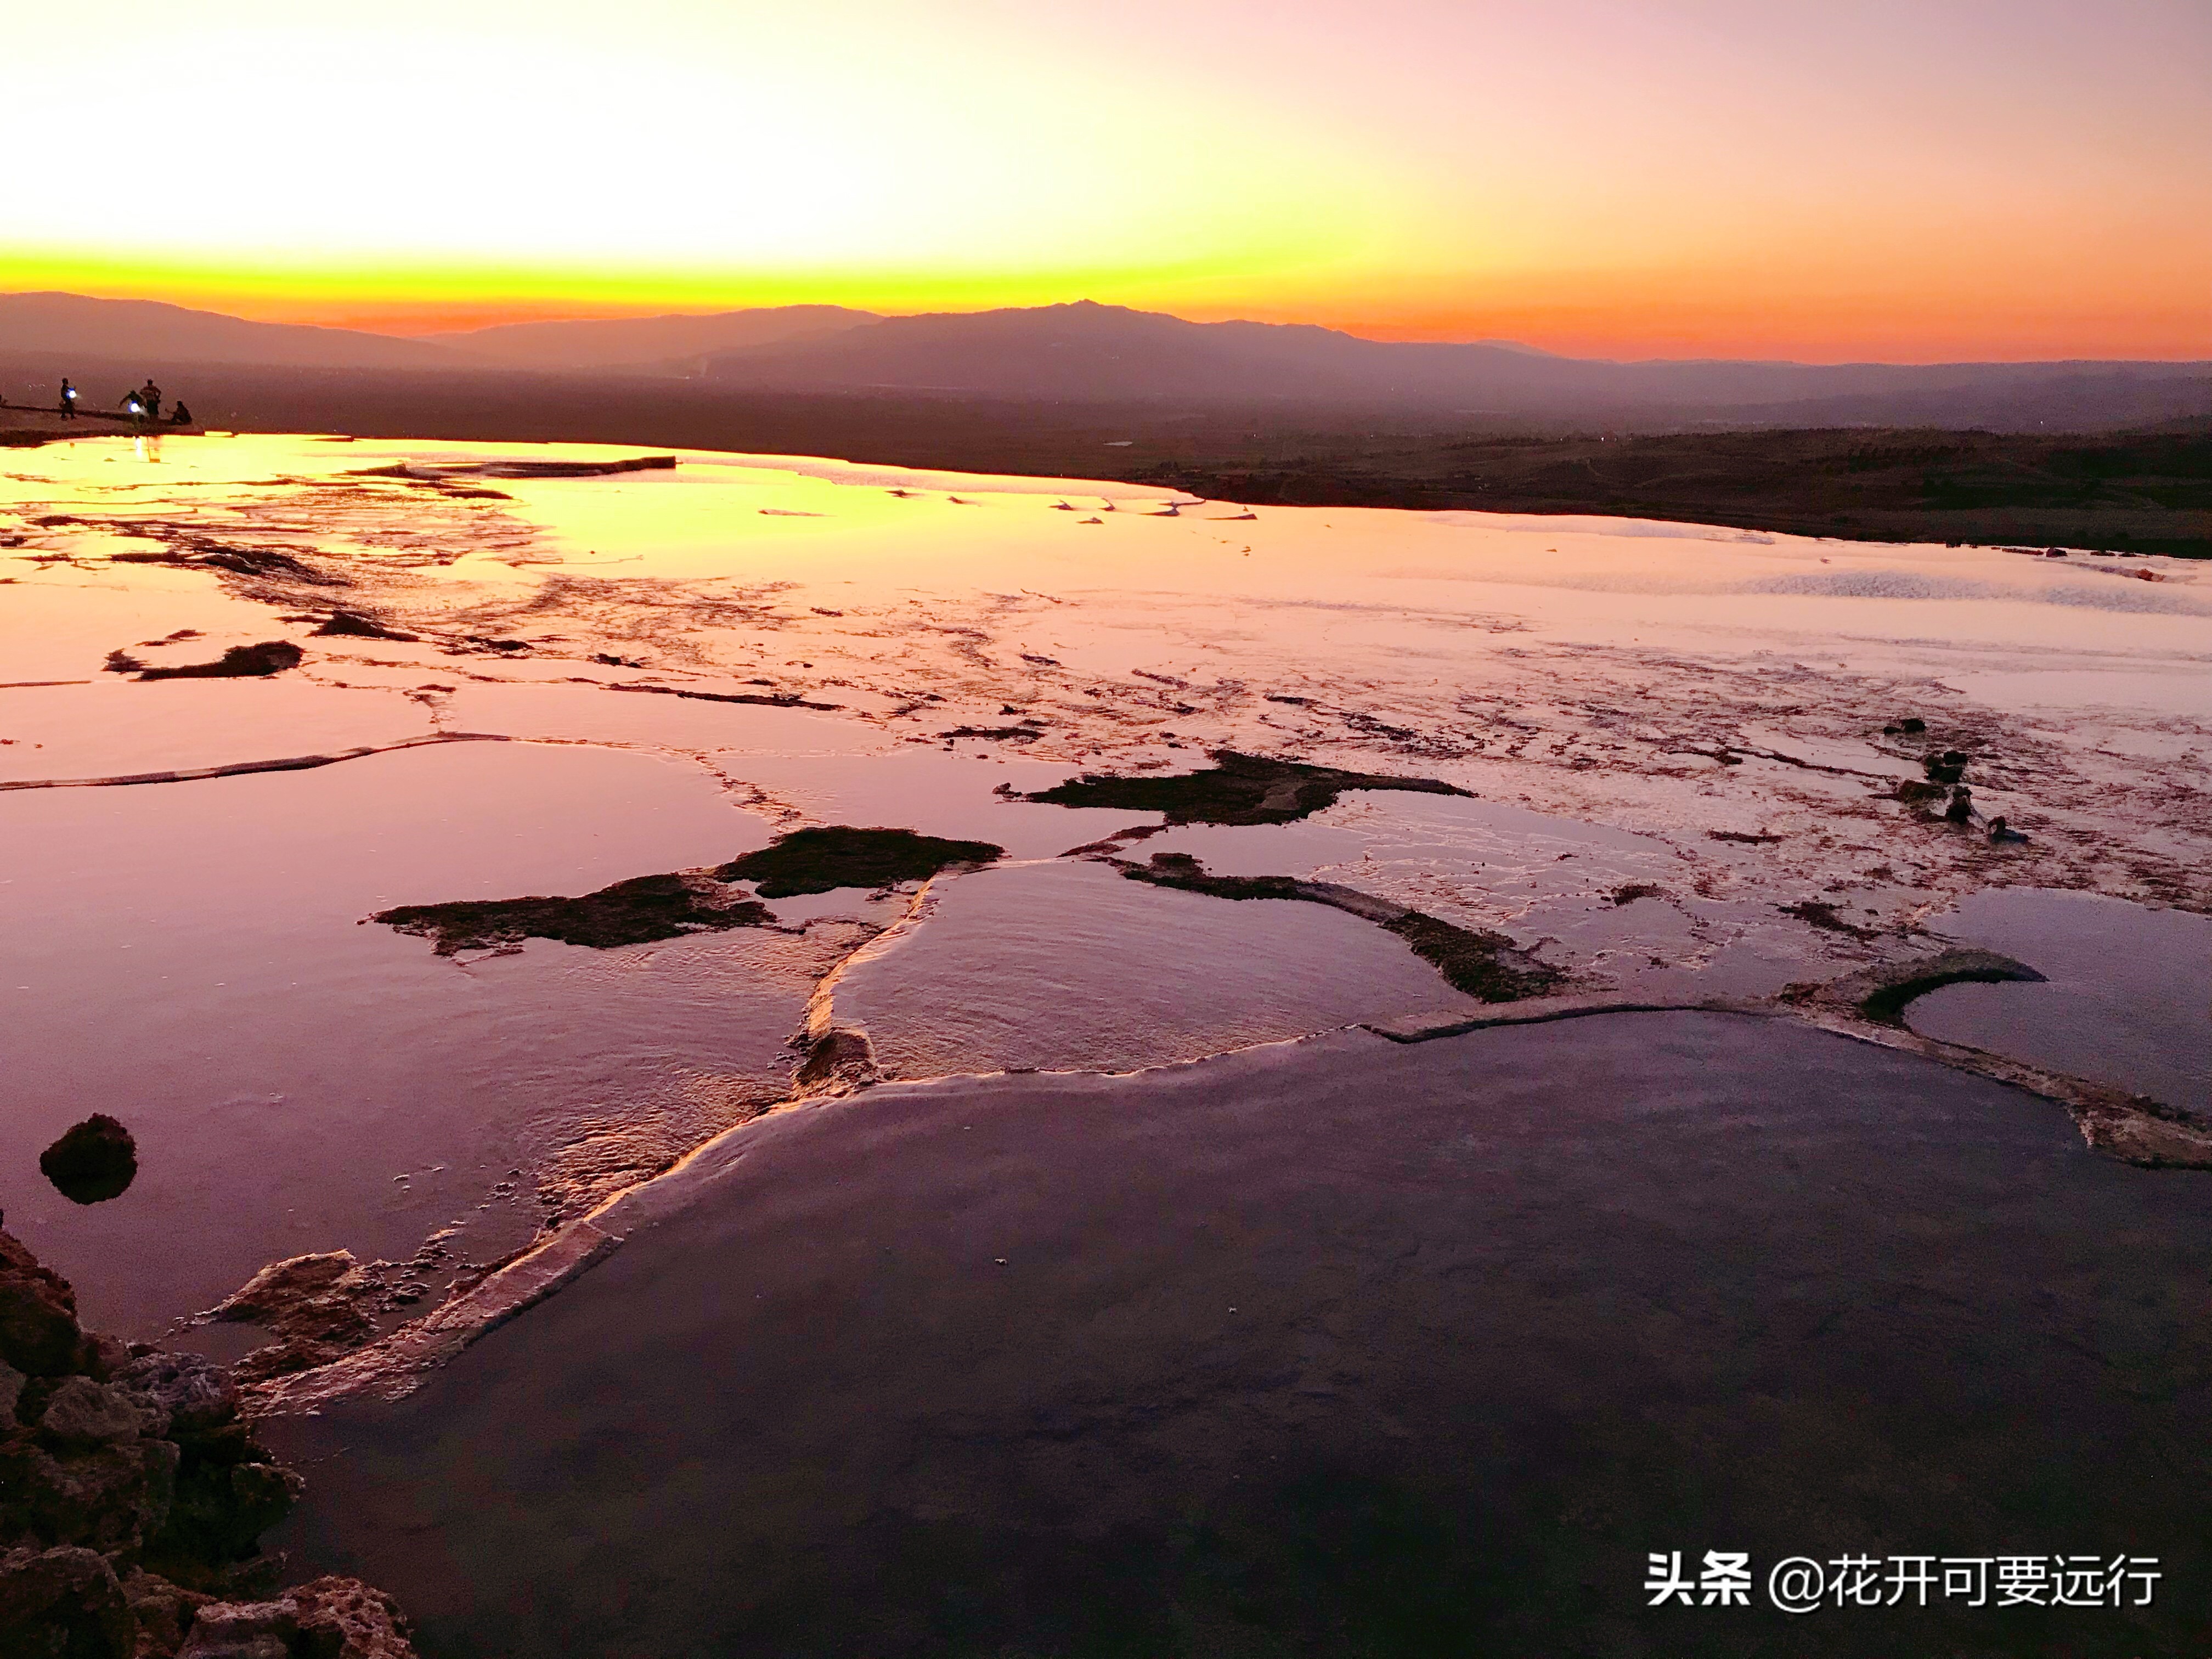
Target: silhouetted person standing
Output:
[(150, 395), (69, 401)]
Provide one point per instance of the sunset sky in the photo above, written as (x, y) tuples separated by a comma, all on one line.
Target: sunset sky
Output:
[(1906, 180)]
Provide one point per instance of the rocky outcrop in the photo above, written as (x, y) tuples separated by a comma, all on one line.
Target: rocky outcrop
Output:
[(318, 1307), (133, 1496)]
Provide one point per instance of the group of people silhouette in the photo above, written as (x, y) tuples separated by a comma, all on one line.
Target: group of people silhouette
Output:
[(143, 406)]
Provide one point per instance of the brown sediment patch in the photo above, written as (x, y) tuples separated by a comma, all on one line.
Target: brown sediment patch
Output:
[(259, 562), (428, 472), (1635, 891), (352, 624), (1742, 837), (1240, 789), (1822, 913), (240, 662), (1484, 965), (634, 912), (822, 859)]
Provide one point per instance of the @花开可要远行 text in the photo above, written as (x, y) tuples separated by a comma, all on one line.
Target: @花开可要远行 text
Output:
[(1800, 1583)]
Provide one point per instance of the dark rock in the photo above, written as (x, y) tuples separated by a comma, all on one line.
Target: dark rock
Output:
[(2001, 831), (197, 1394), (283, 1287), (345, 1618), (223, 1506), (1947, 767), (97, 1488), (93, 1161), (39, 1333), (164, 1611), (63, 1604), (84, 1413), (110, 1497), (243, 1630), (1961, 809)]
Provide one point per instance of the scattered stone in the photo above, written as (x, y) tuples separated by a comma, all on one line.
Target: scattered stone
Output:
[(1908, 727), (2000, 832), (1744, 836), (1913, 793), (1961, 809), (93, 1161), (634, 912), (1635, 891), (1946, 768), (1239, 789), (822, 861)]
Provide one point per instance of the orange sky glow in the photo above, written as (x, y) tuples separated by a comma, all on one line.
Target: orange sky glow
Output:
[(1945, 179)]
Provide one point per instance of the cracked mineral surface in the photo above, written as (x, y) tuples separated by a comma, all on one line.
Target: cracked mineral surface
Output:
[(734, 791)]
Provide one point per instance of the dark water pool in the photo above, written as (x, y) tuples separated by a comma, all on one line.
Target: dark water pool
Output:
[(1336, 1348), (2126, 997)]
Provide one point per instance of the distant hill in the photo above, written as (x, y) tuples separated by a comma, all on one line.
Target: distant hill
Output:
[(1086, 352), (72, 326), (640, 343), (1089, 354)]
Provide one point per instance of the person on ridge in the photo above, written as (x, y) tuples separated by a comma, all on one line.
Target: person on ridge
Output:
[(150, 395), (69, 401), (180, 415)]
